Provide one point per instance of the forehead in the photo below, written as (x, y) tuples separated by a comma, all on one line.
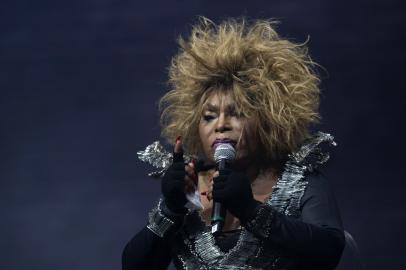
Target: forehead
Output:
[(219, 100)]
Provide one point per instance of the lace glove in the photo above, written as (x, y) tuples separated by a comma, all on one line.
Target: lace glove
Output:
[(179, 179), (233, 190), (173, 186)]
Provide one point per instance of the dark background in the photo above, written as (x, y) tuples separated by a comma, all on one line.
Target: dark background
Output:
[(80, 81)]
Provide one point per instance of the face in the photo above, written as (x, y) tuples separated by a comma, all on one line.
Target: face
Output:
[(221, 124)]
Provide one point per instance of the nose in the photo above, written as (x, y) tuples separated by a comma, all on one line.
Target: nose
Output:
[(223, 123)]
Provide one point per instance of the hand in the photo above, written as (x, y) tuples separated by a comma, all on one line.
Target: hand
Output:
[(233, 190), (178, 179)]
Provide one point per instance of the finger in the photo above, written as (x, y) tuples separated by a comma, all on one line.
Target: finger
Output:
[(189, 168), (178, 145), (178, 151), (191, 172), (210, 196)]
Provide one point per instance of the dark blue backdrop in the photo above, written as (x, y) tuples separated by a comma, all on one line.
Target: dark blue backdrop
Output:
[(79, 84)]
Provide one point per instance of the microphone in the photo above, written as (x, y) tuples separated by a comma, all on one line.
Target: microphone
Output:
[(223, 154)]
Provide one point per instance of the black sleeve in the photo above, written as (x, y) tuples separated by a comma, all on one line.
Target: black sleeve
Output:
[(316, 237), (146, 250)]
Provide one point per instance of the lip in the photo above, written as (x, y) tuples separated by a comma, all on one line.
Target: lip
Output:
[(224, 140)]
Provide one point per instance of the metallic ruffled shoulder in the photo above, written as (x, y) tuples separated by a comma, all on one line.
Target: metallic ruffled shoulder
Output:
[(311, 154), (291, 185), (157, 156)]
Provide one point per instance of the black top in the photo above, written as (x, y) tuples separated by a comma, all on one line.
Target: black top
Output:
[(227, 240), (316, 237)]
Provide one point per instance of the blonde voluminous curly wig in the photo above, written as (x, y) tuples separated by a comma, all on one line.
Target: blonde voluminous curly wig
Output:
[(270, 78)]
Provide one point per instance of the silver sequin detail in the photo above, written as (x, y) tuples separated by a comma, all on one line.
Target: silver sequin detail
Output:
[(157, 156), (195, 245), (158, 222), (199, 251), (261, 224), (311, 155), (291, 186)]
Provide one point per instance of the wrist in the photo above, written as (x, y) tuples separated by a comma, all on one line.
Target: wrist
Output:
[(162, 221), (172, 210)]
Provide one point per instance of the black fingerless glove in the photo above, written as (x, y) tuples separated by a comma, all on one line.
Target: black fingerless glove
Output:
[(233, 190), (173, 186)]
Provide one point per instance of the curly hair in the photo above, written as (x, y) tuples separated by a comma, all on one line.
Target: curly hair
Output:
[(270, 78)]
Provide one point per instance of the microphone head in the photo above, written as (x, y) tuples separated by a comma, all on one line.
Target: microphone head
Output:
[(224, 152)]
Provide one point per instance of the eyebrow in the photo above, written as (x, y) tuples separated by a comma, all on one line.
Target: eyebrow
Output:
[(214, 107), (211, 107)]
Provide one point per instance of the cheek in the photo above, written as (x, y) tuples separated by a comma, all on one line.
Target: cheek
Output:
[(239, 129), (247, 140), (203, 134)]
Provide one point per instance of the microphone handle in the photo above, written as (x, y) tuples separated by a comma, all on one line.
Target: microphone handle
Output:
[(218, 214)]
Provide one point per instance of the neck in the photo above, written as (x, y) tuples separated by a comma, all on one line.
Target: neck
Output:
[(262, 180), (263, 183)]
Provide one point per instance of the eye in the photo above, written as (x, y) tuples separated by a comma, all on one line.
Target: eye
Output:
[(208, 117)]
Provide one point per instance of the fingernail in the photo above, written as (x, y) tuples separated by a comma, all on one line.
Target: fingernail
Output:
[(178, 138)]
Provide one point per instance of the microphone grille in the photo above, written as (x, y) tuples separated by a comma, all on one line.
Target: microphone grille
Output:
[(224, 151)]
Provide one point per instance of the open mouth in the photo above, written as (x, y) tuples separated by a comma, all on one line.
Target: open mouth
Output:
[(221, 141)]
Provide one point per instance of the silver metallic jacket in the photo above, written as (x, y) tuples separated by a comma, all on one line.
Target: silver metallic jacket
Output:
[(194, 246)]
